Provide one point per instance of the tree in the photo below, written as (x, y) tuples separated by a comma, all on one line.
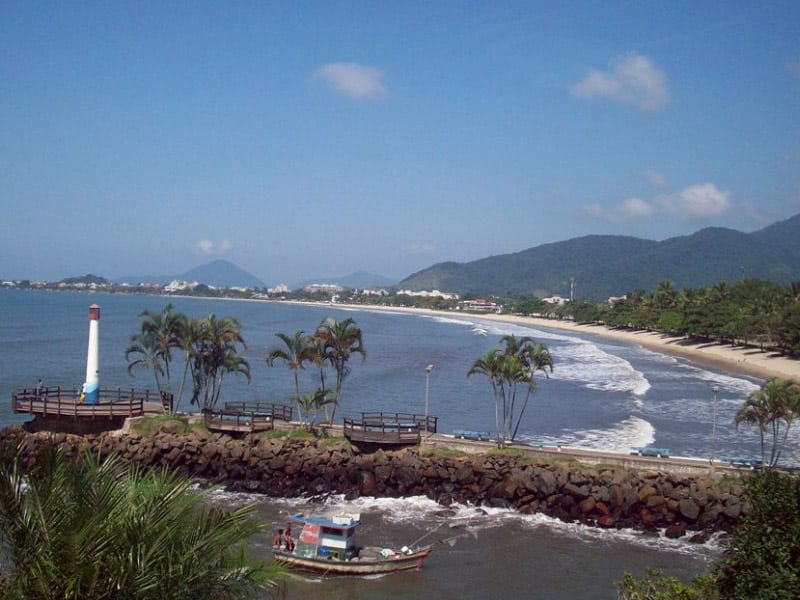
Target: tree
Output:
[(490, 365), (145, 347), (773, 407), (341, 339), (655, 586), (214, 355), (762, 560), (507, 369), (297, 351), (103, 530), (164, 327)]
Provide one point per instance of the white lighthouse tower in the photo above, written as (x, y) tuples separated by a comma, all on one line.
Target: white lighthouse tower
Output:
[(91, 392)]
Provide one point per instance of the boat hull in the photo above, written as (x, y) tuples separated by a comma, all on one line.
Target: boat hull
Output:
[(366, 566)]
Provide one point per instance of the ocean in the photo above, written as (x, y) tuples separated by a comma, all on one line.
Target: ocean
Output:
[(601, 394)]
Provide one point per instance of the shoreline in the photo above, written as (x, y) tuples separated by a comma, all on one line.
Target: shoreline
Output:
[(748, 360)]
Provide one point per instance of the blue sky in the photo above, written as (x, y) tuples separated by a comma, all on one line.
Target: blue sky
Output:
[(309, 140)]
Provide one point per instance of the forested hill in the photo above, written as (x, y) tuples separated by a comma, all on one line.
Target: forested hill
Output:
[(607, 265)]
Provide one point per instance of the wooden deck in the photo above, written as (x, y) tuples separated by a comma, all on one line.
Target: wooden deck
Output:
[(236, 422), (276, 411), (243, 417), (388, 429), (57, 402)]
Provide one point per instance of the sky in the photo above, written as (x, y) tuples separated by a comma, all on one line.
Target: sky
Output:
[(312, 140)]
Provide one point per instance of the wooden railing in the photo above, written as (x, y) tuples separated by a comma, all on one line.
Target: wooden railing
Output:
[(388, 428), (276, 411), (236, 421), (58, 401)]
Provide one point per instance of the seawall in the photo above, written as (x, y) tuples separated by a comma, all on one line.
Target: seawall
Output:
[(608, 496)]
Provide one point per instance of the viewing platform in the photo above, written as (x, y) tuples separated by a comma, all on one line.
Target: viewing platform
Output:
[(60, 408), (244, 417), (389, 429)]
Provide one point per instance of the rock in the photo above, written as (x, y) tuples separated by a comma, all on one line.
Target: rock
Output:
[(689, 509), (675, 530)]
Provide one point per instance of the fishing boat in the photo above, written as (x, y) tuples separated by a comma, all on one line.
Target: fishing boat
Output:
[(326, 545)]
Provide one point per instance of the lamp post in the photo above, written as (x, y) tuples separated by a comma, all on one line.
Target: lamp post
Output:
[(714, 389), (428, 370)]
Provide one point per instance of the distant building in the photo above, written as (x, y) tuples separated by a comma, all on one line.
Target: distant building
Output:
[(481, 305), (612, 300), (375, 292), (179, 286), (431, 294), (556, 299), (328, 288), (281, 288)]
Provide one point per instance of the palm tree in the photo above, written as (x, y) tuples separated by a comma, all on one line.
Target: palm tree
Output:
[(165, 329), (490, 365), (146, 347), (294, 354), (316, 354), (100, 530), (216, 354), (342, 339), (507, 368), (776, 404), (188, 341)]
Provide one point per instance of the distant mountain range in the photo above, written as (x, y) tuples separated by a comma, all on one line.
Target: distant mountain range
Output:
[(219, 273), (356, 281), (600, 266), (223, 273)]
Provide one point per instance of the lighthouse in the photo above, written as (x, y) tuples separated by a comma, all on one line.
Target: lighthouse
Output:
[(90, 393)]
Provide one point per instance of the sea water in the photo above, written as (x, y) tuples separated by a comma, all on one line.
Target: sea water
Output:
[(602, 394)]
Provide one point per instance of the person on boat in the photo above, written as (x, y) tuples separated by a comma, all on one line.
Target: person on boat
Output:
[(288, 542), (276, 539)]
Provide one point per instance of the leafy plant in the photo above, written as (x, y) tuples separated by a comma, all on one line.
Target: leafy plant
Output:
[(102, 530)]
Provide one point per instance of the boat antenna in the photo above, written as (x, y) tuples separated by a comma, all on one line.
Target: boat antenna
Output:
[(418, 540)]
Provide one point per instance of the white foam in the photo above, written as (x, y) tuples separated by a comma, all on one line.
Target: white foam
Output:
[(579, 360), (445, 520), (628, 433)]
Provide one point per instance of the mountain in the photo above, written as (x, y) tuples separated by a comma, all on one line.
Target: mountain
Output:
[(356, 281), (604, 265), (218, 273)]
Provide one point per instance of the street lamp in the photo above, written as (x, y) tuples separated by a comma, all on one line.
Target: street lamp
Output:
[(428, 370), (714, 389)]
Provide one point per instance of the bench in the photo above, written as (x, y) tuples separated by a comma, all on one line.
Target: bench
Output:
[(650, 451), (750, 463), (476, 436), (542, 444)]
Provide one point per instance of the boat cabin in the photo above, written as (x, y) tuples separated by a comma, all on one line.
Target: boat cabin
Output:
[(331, 537)]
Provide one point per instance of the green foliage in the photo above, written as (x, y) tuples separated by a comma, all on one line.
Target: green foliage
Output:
[(150, 425), (655, 586), (763, 559), (508, 369), (95, 531), (772, 409), (210, 347)]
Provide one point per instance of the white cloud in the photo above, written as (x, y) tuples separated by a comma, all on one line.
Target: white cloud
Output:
[(354, 80), (632, 79), (209, 248), (655, 179), (635, 208), (700, 200)]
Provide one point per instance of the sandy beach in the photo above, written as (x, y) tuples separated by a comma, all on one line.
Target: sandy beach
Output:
[(738, 359)]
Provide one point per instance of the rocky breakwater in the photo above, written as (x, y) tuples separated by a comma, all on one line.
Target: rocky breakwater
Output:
[(611, 497)]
